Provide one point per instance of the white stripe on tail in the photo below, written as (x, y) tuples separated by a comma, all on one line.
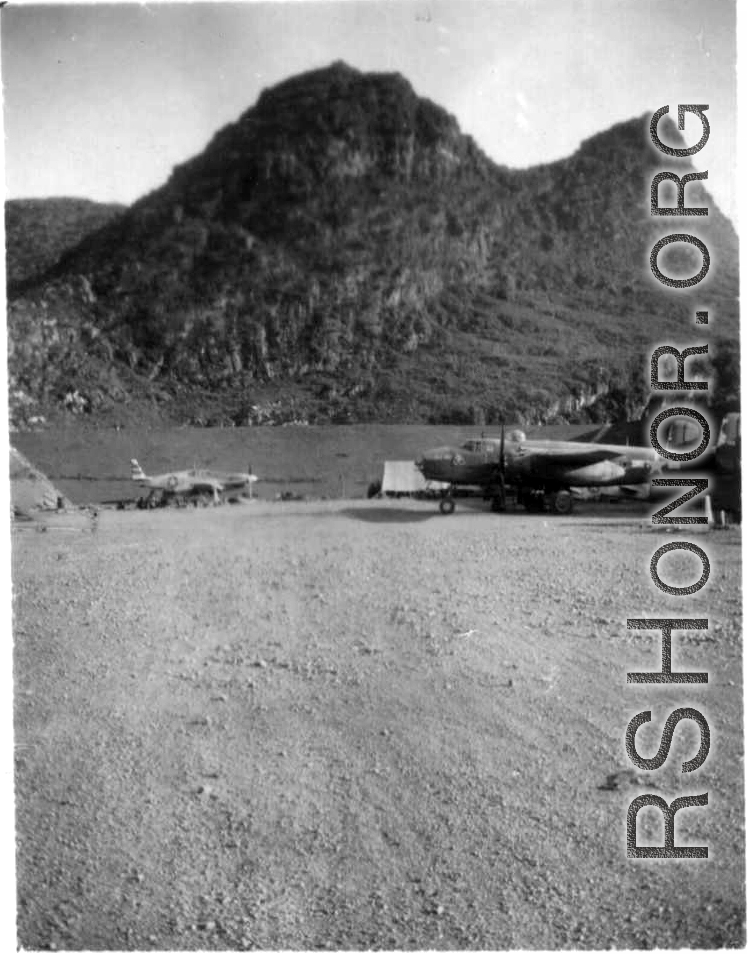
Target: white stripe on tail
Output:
[(136, 471)]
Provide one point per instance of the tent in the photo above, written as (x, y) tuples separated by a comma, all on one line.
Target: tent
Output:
[(403, 477)]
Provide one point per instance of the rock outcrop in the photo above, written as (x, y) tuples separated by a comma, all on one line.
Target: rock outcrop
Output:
[(344, 236)]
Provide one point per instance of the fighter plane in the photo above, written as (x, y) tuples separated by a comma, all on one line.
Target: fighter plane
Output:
[(541, 472), (200, 485)]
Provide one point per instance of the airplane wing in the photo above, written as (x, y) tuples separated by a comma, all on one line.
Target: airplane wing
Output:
[(582, 465), (567, 457), (202, 484)]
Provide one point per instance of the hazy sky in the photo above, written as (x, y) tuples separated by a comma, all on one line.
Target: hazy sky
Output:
[(103, 101)]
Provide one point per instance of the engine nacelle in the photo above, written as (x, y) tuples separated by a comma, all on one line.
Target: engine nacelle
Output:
[(603, 472)]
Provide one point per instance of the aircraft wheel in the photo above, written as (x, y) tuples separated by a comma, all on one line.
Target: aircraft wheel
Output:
[(447, 505), (562, 502)]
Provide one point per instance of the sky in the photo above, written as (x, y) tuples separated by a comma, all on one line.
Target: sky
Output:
[(103, 100)]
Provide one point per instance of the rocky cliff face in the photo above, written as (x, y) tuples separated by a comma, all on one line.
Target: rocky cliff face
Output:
[(344, 248)]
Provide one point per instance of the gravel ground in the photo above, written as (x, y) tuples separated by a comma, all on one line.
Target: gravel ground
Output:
[(363, 725)]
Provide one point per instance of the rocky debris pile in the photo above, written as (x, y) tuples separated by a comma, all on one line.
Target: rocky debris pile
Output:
[(30, 489)]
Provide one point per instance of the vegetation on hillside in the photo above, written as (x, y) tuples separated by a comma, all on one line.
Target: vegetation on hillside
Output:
[(343, 253), (40, 230)]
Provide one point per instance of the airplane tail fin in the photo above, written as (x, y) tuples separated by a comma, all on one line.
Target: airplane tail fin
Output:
[(136, 471)]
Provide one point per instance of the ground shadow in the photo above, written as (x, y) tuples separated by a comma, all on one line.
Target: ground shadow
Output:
[(389, 515), (584, 514)]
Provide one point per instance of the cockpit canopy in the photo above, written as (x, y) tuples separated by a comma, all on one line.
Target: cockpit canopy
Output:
[(479, 446), (491, 445)]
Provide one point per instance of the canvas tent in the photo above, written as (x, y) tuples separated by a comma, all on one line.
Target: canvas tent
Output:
[(403, 477)]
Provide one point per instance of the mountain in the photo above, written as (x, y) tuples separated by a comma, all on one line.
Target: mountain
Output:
[(40, 230), (344, 252)]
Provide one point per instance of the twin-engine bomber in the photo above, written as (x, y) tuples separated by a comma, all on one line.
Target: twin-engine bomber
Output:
[(541, 472)]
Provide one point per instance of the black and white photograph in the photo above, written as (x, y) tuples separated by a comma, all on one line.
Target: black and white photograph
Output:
[(374, 431)]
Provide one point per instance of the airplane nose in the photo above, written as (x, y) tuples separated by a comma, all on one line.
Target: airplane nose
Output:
[(433, 462)]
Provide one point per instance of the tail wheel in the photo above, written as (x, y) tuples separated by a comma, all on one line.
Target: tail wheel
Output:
[(447, 505)]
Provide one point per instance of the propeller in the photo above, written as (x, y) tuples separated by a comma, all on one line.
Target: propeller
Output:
[(501, 505), (502, 455)]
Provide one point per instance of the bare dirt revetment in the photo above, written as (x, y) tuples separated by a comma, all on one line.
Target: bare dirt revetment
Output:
[(358, 725)]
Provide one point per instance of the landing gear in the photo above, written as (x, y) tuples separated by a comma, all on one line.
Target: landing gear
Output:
[(532, 500), (447, 505), (561, 502), (498, 497), (536, 500)]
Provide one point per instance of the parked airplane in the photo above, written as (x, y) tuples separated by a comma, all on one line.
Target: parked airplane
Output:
[(198, 484), (542, 472)]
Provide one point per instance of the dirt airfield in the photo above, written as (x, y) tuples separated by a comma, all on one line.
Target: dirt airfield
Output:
[(360, 724)]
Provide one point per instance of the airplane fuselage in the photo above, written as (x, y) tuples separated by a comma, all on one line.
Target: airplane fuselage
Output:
[(541, 464)]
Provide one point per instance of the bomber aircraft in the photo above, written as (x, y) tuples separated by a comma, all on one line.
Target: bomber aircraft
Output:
[(200, 485), (541, 472)]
